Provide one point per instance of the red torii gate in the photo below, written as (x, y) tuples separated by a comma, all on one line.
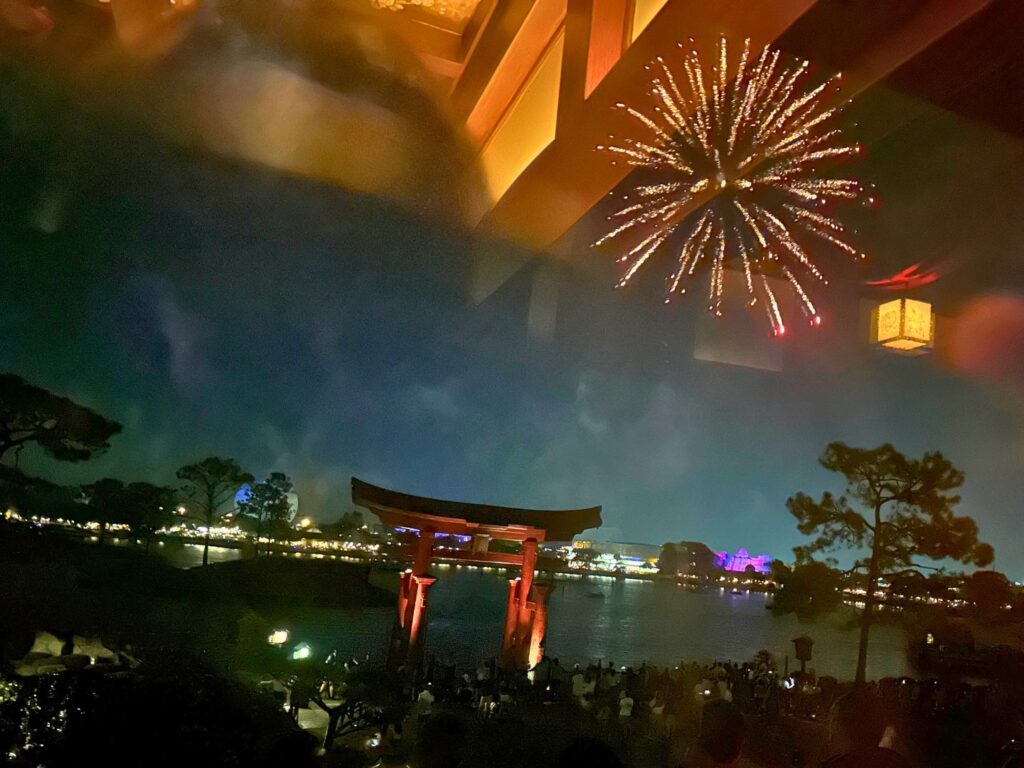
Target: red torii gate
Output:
[(526, 610)]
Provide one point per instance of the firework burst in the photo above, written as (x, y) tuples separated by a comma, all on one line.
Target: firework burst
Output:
[(731, 177)]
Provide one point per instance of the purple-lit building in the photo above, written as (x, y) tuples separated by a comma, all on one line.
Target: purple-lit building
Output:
[(741, 560)]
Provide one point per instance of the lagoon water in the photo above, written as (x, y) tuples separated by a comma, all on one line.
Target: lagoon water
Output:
[(632, 621), (624, 621)]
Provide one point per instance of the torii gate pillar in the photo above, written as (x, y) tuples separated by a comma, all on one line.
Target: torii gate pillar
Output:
[(526, 615), (411, 619)]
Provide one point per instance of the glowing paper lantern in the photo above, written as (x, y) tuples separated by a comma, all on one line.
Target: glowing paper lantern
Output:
[(903, 325), (278, 637)]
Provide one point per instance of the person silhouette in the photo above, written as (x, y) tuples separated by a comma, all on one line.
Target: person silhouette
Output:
[(858, 724)]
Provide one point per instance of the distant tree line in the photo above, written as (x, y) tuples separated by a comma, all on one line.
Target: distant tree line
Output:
[(67, 431)]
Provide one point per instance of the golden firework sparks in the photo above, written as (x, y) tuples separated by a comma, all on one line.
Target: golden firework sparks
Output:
[(739, 148)]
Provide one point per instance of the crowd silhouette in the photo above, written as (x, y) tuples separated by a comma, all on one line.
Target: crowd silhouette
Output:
[(696, 715)]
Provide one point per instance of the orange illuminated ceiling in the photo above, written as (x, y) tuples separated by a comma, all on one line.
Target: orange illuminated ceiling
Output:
[(534, 81), (505, 76), (568, 178), (453, 14), (441, 32)]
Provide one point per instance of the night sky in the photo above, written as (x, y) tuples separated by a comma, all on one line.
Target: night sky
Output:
[(220, 307)]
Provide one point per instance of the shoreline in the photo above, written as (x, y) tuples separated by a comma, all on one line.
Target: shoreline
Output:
[(462, 612)]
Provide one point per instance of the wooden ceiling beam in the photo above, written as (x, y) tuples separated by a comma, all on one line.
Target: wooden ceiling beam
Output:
[(488, 49), (568, 179)]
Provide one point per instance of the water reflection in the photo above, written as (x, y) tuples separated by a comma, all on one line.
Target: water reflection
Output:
[(630, 622), (190, 555), (627, 622)]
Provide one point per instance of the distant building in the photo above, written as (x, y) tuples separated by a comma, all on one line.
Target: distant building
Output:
[(741, 560), (607, 556), (243, 494), (695, 558), (627, 549)]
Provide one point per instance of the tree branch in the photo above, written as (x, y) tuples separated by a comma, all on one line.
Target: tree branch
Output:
[(926, 567), (13, 442)]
